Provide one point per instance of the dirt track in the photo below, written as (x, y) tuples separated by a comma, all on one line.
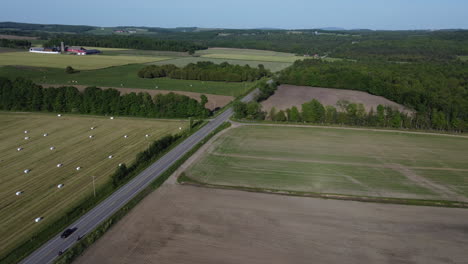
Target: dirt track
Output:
[(213, 100), (186, 224), (288, 96)]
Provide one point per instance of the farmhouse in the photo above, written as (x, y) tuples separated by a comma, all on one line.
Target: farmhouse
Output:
[(81, 51), (70, 50)]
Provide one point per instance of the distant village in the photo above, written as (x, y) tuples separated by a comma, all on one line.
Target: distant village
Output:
[(75, 50)]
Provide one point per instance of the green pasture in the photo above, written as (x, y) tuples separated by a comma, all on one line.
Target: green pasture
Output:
[(124, 76), (340, 161)]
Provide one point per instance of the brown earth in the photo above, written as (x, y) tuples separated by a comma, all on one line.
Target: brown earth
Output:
[(288, 96), (188, 224), (17, 37), (214, 101)]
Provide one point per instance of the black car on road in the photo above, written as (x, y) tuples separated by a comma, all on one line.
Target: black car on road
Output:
[(68, 232)]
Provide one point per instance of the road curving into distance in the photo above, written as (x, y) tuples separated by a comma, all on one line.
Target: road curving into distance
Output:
[(88, 222)]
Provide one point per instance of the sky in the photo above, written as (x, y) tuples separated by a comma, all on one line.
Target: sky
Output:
[(289, 14)]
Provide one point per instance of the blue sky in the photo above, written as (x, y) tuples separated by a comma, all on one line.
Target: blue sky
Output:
[(288, 14)]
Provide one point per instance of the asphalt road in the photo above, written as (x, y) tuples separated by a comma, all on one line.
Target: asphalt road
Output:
[(88, 222)]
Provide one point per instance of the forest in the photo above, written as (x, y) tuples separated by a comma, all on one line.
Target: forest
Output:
[(23, 95), (15, 43), (437, 91), (127, 42), (206, 71)]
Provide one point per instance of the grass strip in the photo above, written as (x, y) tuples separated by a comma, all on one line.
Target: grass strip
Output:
[(184, 179)]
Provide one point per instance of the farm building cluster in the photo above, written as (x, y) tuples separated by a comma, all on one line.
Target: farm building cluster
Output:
[(65, 50)]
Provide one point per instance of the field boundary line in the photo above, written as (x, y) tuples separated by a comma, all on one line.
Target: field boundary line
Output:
[(351, 128), (387, 166), (185, 180)]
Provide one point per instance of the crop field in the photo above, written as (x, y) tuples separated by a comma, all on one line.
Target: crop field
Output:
[(77, 62), (463, 58), (122, 77), (248, 54), (338, 161), (73, 148)]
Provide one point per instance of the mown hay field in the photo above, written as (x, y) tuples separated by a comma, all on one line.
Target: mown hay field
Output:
[(338, 161), (69, 135), (78, 62)]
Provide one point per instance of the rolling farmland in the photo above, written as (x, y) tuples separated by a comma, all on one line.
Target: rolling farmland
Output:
[(77, 62), (122, 77), (69, 135), (338, 161)]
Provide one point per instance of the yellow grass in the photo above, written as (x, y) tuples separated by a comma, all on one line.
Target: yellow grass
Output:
[(78, 62), (69, 135)]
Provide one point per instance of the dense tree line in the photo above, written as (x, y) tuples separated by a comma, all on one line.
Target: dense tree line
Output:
[(438, 92), (15, 43), (346, 114), (417, 45), (265, 90), (46, 27), (23, 95), (206, 71), (123, 173), (128, 42)]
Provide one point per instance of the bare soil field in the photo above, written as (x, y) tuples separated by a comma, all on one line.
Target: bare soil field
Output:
[(288, 96), (214, 101), (187, 224)]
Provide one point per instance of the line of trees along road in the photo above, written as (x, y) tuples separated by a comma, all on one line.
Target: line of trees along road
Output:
[(24, 95), (438, 92), (346, 113), (206, 71)]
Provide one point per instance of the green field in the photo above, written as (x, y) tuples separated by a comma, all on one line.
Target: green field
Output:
[(248, 54), (77, 62), (463, 58), (69, 135), (122, 76), (338, 161), (182, 61)]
